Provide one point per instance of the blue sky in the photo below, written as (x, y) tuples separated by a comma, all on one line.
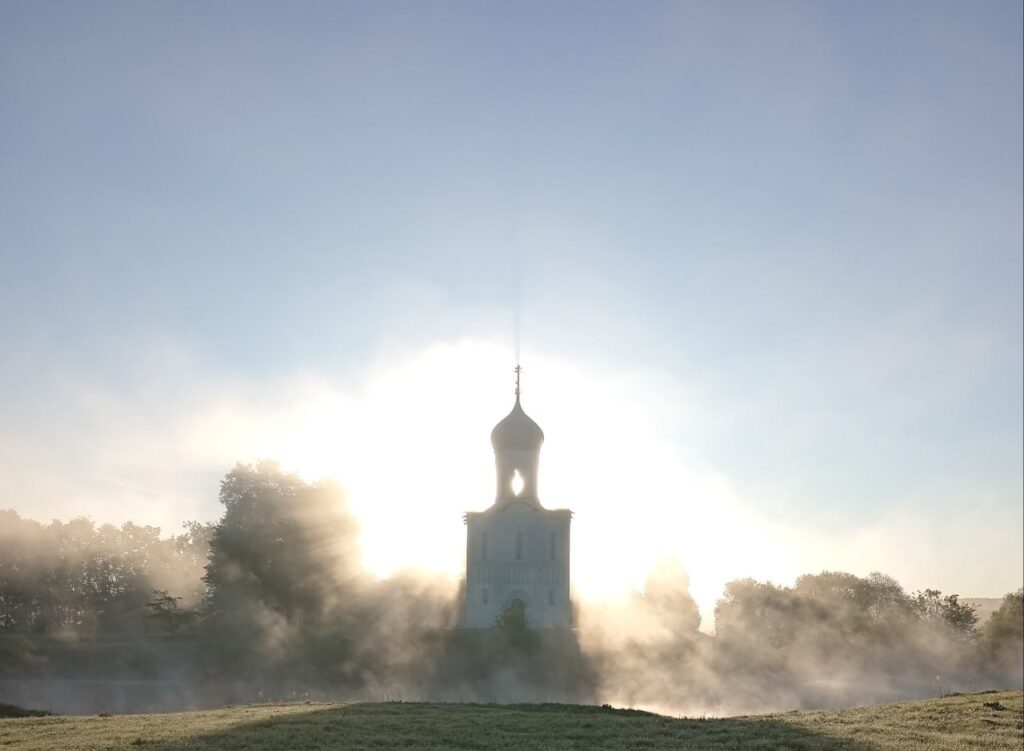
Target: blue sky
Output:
[(801, 221)]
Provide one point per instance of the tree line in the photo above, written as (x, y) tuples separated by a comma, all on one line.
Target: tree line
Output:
[(273, 597), (77, 577)]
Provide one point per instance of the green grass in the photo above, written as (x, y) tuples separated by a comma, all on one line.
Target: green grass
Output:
[(974, 721)]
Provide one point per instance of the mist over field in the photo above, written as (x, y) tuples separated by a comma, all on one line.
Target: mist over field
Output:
[(270, 273), (272, 602)]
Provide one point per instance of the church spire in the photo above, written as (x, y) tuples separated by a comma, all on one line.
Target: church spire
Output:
[(518, 369)]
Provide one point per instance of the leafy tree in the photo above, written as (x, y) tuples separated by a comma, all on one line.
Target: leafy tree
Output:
[(512, 616), (513, 628), (75, 576), (667, 599), (946, 613), (164, 610), (754, 611), (1003, 639), (283, 562), (1007, 622)]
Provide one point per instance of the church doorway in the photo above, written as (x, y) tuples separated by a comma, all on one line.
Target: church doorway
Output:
[(514, 613)]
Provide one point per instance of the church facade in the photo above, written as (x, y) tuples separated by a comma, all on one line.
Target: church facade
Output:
[(517, 551)]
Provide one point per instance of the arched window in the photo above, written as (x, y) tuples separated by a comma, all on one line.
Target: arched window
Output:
[(519, 546), (518, 483)]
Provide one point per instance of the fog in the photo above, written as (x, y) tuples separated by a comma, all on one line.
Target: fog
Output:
[(407, 437), (273, 602)]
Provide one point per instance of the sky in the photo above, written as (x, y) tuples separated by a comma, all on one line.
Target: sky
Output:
[(761, 263)]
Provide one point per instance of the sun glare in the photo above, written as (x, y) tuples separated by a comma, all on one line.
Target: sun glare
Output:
[(412, 449), (517, 483)]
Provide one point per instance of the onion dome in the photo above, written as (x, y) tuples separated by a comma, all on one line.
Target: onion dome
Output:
[(517, 432)]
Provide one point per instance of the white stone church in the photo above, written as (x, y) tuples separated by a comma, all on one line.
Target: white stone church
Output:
[(517, 551)]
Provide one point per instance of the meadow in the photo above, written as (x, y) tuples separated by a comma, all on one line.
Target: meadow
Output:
[(987, 720)]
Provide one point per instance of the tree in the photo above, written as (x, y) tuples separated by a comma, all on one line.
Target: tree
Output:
[(760, 614), (1003, 639), (667, 599), (946, 613), (512, 616), (164, 610), (513, 628), (283, 561), (76, 577)]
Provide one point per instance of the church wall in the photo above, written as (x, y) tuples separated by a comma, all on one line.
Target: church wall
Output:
[(518, 550)]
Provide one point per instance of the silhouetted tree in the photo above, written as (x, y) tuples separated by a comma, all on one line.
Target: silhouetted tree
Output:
[(667, 600), (75, 576), (757, 610), (833, 632), (284, 566), (166, 613), (946, 612), (1003, 639)]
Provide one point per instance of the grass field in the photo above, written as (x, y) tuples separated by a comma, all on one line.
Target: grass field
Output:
[(974, 721)]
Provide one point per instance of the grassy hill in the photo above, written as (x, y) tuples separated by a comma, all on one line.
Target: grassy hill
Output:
[(984, 607), (990, 720)]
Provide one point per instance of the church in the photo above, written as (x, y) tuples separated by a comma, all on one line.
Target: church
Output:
[(517, 551)]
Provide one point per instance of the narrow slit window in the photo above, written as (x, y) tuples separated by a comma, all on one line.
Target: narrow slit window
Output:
[(485, 595), (551, 549), (551, 597), (483, 547), (519, 546)]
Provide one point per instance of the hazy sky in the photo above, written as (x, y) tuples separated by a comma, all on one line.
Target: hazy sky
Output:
[(767, 258)]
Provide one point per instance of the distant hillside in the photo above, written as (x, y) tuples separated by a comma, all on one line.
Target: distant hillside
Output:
[(984, 607), (987, 720)]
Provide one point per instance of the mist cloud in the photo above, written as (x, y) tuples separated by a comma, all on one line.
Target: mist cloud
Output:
[(138, 456)]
